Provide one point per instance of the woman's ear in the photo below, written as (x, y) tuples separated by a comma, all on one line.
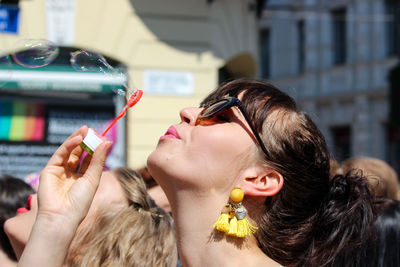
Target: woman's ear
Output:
[(267, 182)]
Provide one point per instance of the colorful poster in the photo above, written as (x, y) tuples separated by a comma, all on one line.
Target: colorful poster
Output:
[(21, 121)]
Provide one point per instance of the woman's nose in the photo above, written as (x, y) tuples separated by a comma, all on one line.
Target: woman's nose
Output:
[(189, 115)]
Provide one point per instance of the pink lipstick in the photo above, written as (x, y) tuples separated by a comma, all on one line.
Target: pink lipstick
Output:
[(28, 206), (22, 210), (171, 133)]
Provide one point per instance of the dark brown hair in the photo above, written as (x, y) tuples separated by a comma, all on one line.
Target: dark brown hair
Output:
[(14, 193), (383, 249), (313, 220)]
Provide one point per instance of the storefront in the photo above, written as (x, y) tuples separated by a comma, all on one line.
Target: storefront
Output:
[(41, 107)]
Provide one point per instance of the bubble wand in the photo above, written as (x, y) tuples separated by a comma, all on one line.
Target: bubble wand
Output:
[(131, 102), (91, 140)]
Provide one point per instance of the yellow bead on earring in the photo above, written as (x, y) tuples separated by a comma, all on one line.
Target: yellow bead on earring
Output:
[(237, 195)]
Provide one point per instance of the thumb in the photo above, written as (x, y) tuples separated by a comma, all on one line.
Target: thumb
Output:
[(96, 165)]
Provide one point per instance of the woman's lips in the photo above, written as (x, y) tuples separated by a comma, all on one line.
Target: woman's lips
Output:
[(171, 133), (22, 210), (28, 206)]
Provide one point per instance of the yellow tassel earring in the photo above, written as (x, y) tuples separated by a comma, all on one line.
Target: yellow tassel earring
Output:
[(232, 220)]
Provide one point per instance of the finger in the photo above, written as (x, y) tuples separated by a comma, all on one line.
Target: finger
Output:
[(85, 164), (81, 131), (86, 161), (96, 165), (74, 158), (61, 156)]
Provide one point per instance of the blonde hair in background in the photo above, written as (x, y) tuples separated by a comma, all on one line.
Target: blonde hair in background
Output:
[(140, 234), (381, 177)]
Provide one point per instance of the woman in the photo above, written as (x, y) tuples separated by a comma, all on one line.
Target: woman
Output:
[(101, 239), (13, 194), (251, 136)]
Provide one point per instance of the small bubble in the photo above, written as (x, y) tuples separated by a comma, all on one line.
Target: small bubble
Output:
[(121, 92)]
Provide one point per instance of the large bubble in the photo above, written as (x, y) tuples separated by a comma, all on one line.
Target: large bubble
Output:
[(35, 53), (89, 61), (93, 62)]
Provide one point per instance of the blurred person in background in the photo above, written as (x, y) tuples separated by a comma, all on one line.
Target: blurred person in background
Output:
[(383, 250), (13, 194), (334, 167), (154, 190), (105, 237), (381, 176)]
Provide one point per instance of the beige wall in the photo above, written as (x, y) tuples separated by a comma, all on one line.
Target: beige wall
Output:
[(188, 35)]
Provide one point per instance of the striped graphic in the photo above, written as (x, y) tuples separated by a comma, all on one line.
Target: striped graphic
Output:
[(21, 121)]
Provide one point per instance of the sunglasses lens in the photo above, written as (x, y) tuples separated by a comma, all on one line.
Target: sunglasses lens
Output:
[(214, 108)]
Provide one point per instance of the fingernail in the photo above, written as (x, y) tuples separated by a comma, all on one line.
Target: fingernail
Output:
[(108, 145)]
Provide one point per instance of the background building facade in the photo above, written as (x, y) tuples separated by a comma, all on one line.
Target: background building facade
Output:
[(334, 57)]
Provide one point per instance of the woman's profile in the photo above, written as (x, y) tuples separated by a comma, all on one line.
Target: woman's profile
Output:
[(247, 178)]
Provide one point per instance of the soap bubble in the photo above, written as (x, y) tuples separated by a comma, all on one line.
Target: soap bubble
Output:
[(93, 62), (5, 68), (89, 61), (35, 53), (121, 92)]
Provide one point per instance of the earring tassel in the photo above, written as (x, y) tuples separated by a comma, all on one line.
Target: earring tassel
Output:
[(222, 224), (244, 228), (233, 226)]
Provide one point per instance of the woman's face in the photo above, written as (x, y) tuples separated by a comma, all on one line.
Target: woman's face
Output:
[(204, 155), (108, 195)]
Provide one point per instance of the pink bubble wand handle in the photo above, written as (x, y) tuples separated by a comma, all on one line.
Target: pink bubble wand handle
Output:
[(131, 102)]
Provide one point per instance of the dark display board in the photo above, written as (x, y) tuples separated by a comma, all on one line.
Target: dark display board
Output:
[(31, 132)]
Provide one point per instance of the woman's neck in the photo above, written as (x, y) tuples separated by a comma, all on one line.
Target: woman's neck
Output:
[(200, 245)]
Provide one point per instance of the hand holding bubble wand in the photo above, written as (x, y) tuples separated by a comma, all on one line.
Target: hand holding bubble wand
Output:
[(89, 61), (91, 140)]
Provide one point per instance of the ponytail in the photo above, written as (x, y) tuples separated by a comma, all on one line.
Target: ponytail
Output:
[(344, 222), (330, 235)]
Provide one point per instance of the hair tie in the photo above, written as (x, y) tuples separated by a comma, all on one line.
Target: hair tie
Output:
[(141, 210)]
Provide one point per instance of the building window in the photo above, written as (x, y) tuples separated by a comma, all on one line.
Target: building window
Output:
[(265, 47), (392, 27), (339, 36), (301, 46), (341, 142)]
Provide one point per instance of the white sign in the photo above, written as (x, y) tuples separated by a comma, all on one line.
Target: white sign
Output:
[(165, 82), (60, 20)]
